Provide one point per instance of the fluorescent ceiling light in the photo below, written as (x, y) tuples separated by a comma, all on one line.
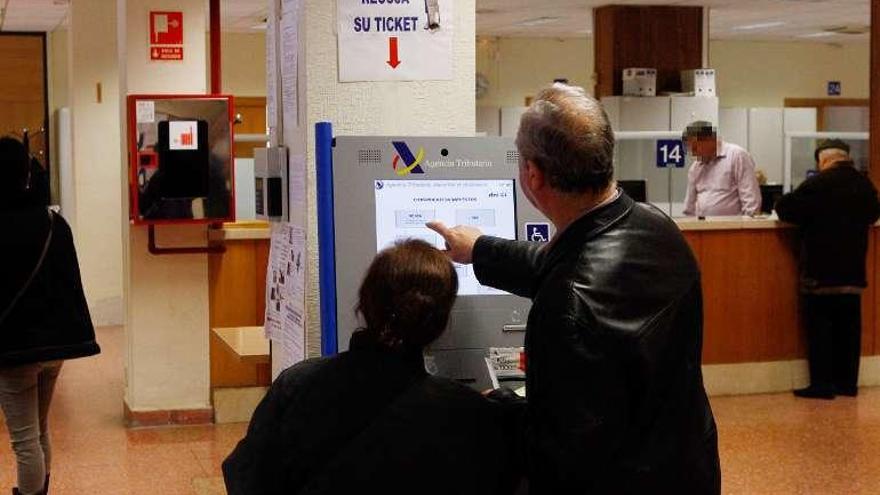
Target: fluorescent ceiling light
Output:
[(761, 25), (539, 21), (823, 34)]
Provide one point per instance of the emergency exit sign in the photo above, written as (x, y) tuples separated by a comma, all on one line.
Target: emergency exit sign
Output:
[(166, 35)]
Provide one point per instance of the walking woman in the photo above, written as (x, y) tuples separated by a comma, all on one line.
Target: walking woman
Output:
[(44, 318)]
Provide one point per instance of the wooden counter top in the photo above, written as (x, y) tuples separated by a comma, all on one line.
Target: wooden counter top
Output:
[(248, 343), (730, 223), (241, 231), (247, 231)]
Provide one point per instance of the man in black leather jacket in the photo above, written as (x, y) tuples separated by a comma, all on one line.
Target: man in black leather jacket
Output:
[(616, 402), (834, 211)]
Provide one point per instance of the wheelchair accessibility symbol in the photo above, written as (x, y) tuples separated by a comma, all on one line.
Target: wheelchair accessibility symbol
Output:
[(538, 232)]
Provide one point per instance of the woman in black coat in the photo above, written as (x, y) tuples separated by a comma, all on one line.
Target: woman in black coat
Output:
[(44, 318), (371, 420)]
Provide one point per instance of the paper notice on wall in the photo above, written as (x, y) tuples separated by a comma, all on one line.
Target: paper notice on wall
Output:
[(297, 185), (289, 31), (145, 112), (276, 280), (271, 80), (395, 41), (285, 293)]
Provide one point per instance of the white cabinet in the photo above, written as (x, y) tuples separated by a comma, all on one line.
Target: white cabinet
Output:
[(489, 121), (662, 113), (687, 109), (733, 126), (631, 113), (510, 117), (767, 128), (846, 119), (766, 141)]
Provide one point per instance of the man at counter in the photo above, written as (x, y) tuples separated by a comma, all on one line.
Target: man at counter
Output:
[(834, 211), (616, 403), (722, 180)]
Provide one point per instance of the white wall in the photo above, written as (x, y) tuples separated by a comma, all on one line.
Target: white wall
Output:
[(518, 67), (167, 317), (754, 74), (96, 154), (57, 69), (57, 62), (749, 74), (244, 63), (402, 108)]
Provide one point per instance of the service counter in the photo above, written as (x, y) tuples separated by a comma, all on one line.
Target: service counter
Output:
[(753, 337), (237, 281)]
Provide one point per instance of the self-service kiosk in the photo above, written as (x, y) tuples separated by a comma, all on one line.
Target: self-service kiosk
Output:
[(374, 191)]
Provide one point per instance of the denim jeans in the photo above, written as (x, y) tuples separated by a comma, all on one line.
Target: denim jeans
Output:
[(25, 395)]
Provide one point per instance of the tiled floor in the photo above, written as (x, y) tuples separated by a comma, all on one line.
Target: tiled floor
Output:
[(94, 453), (772, 444)]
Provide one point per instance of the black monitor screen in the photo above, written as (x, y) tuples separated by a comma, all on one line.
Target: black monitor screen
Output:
[(635, 189), (770, 194)]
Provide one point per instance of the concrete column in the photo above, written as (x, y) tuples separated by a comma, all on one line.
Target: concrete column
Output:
[(166, 297), (435, 108), (94, 101)]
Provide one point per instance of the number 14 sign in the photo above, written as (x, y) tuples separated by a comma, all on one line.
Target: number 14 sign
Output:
[(670, 153)]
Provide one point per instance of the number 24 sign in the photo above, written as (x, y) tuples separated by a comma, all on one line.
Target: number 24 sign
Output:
[(670, 153)]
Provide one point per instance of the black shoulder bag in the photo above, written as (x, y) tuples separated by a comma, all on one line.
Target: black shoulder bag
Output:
[(6, 312)]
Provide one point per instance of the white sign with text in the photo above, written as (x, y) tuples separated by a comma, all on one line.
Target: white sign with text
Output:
[(395, 40)]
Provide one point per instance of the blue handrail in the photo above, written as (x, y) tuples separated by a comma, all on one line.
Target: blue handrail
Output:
[(326, 237)]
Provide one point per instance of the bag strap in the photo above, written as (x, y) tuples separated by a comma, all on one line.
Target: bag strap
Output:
[(33, 274)]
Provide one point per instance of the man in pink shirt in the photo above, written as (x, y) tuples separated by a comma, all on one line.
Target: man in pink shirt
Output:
[(722, 181)]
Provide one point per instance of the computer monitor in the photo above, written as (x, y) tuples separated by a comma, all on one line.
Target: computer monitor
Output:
[(636, 189), (770, 194)]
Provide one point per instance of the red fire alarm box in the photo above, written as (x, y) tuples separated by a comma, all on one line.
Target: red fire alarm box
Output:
[(180, 154)]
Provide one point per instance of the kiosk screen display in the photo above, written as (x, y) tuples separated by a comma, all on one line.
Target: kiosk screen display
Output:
[(404, 206)]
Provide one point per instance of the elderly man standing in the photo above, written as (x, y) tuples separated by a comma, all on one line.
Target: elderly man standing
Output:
[(616, 403), (722, 180), (834, 211)]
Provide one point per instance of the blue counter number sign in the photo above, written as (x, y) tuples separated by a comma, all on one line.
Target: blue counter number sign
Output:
[(670, 153), (834, 88), (538, 232)]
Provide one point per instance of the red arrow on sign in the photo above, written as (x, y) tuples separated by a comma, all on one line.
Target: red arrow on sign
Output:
[(394, 56)]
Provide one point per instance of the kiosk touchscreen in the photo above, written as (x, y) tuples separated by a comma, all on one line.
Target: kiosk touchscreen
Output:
[(386, 189), (403, 207)]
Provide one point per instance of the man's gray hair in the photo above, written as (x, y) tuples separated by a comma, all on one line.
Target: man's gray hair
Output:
[(566, 134)]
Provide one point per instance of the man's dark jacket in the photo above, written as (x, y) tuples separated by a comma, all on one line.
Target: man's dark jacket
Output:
[(834, 211), (369, 421), (51, 320), (616, 403)]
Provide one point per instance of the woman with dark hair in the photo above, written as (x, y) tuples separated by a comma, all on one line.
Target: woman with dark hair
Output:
[(44, 318), (371, 420)]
